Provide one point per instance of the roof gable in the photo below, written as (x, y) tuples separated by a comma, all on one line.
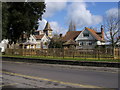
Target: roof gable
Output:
[(32, 38), (45, 38), (93, 35)]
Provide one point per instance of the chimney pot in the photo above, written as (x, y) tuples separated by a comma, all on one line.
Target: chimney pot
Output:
[(60, 35)]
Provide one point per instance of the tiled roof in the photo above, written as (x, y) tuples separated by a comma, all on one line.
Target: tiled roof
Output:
[(71, 35), (94, 33), (101, 35), (39, 36)]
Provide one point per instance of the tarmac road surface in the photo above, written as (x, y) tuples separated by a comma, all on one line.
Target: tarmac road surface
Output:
[(36, 75)]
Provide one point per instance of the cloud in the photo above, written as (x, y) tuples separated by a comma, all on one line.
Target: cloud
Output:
[(53, 7), (42, 24), (78, 13), (112, 12), (54, 26), (57, 28)]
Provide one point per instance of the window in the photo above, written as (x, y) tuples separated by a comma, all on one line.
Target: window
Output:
[(86, 34), (90, 43), (81, 43), (36, 33), (0, 49), (31, 46)]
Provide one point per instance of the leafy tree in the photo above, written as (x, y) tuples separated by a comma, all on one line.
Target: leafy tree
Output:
[(19, 17), (56, 42), (4, 20)]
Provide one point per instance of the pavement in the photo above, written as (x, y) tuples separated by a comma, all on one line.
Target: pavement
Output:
[(36, 75)]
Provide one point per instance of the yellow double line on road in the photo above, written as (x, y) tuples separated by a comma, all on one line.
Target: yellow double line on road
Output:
[(45, 79)]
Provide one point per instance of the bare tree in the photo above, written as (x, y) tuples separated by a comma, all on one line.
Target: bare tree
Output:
[(112, 29)]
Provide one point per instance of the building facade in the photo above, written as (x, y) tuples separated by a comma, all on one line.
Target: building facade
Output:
[(87, 38), (40, 39)]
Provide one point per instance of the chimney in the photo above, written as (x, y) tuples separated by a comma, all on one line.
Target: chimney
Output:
[(102, 32), (60, 35)]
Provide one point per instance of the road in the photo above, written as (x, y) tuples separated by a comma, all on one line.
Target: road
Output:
[(34, 75)]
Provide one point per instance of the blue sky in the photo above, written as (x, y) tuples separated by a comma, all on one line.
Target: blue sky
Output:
[(84, 14), (101, 7)]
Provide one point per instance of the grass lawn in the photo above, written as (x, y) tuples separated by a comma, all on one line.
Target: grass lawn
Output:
[(66, 58)]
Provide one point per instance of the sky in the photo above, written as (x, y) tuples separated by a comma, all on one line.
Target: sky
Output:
[(83, 14)]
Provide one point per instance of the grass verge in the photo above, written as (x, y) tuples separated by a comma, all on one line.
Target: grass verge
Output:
[(66, 58)]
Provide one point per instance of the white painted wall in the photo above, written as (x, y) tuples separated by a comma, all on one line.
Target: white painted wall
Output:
[(32, 39), (50, 34), (100, 43), (41, 32), (44, 39)]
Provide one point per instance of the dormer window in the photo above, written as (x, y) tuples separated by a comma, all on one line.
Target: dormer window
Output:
[(86, 34), (81, 44)]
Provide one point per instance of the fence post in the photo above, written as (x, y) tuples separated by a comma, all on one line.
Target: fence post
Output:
[(12, 51), (85, 54), (45, 52), (98, 53), (73, 53), (63, 52), (53, 52), (95, 51)]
